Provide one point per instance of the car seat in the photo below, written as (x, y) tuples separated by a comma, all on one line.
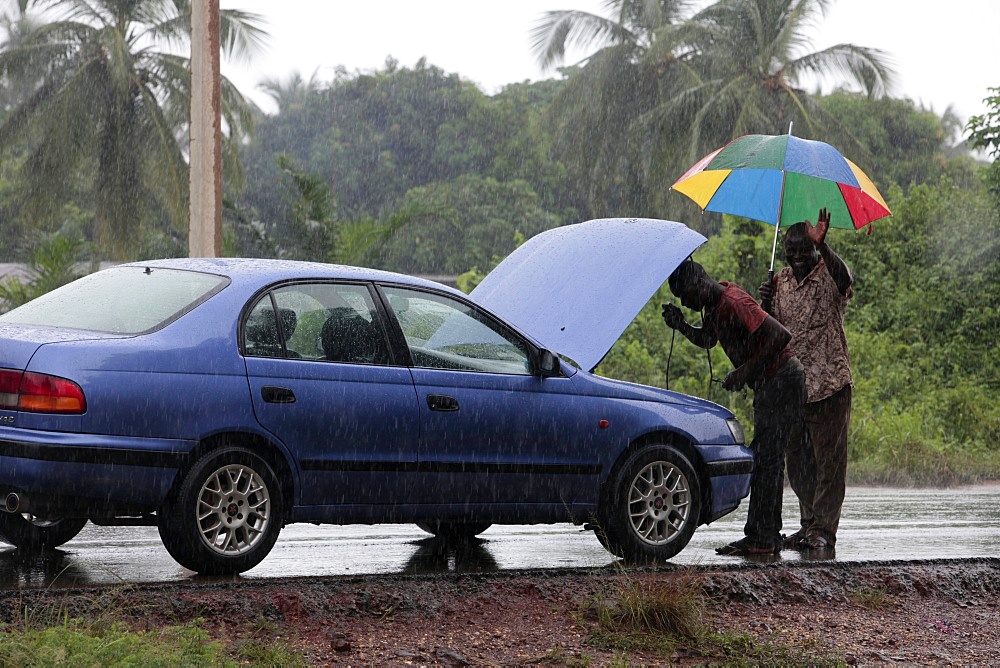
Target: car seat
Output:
[(262, 335), (348, 337)]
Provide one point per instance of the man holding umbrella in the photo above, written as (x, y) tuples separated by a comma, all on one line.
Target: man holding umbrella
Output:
[(757, 345), (809, 297)]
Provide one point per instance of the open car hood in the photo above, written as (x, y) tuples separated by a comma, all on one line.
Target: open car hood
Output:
[(576, 288)]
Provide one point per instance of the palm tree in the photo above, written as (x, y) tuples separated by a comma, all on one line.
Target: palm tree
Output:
[(666, 88), (600, 119), (637, 26), (752, 56), (108, 110), (293, 92)]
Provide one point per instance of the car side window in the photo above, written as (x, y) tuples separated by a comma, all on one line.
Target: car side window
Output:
[(445, 333), (320, 321), (262, 333)]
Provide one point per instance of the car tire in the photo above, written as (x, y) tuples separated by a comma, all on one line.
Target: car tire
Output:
[(226, 514), (35, 534), (454, 531), (652, 506)]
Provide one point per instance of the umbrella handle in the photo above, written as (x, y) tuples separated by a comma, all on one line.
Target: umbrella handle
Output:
[(766, 304)]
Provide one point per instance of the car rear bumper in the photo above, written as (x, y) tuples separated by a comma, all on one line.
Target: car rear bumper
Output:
[(49, 470)]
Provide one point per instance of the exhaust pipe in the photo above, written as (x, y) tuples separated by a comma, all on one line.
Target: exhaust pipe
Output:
[(13, 503)]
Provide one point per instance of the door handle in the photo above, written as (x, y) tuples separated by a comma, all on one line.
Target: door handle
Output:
[(440, 402), (277, 395)]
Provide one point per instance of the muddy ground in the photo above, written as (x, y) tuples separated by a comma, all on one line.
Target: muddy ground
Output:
[(808, 613)]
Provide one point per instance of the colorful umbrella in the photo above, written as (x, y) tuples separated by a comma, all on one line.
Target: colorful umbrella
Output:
[(781, 180)]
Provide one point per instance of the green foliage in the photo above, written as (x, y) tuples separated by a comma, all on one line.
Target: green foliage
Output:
[(380, 135), (984, 130), (472, 219), (76, 643), (310, 229), (363, 242), (268, 654), (929, 276), (54, 262), (903, 143), (984, 133), (467, 167)]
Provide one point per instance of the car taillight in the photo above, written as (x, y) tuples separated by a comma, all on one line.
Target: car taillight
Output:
[(10, 381), (40, 393)]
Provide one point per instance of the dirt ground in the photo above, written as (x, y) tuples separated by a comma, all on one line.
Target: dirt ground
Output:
[(806, 613)]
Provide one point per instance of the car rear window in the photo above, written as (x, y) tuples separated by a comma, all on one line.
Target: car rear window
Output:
[(121, 300)]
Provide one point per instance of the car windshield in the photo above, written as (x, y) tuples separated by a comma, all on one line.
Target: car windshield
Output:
[(121, 300)]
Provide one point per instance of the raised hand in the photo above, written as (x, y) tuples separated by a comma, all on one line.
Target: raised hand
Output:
[(818, 231)]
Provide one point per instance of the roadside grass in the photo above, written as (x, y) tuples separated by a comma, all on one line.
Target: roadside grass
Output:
[(75, 642), (102, 632), (920, 432), (916, 463), (671, 616), (872, 598)]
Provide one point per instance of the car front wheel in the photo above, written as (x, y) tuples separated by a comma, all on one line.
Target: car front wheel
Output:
[(652, 507), (225, 516), (35, 534)]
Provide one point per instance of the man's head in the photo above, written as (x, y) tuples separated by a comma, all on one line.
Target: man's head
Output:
[(691, 285), (800, 251)]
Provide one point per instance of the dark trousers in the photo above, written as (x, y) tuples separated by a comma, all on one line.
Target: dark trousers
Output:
[(817, 471), (777, 426)]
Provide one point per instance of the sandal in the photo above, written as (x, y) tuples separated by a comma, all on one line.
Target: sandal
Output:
[(815, 543), (794, 541), (744, 548)]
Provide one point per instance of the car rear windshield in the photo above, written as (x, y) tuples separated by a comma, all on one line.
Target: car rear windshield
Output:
[(121, 300)]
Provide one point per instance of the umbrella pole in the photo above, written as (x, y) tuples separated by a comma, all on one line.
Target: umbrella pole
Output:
[(777, 225)]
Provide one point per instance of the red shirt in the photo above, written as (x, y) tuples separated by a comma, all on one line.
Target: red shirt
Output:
[(733, 321)]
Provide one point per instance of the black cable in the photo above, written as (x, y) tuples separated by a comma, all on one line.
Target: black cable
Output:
[(670, 353), (708, 354)]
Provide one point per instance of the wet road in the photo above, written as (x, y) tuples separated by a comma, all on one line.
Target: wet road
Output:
[(878, 524)]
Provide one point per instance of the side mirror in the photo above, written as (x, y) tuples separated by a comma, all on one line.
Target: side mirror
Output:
[(548, 364)]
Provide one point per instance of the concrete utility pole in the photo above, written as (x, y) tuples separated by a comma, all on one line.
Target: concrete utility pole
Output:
[(205, 228)]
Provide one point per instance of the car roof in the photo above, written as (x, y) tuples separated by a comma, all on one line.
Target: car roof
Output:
[(267, 270)]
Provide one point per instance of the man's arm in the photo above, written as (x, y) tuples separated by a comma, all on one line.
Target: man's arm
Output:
[(699, 336), (774, 338), (838, 268)]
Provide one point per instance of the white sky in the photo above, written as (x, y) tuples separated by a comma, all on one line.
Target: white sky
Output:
[(946, 56)]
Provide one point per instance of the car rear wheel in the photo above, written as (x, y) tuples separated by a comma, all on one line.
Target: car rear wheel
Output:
[(36, 534), (652, 506), (454, 531), (225, 516)]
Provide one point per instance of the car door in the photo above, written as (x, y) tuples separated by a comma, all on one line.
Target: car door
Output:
[(325, 382), (491, 430)]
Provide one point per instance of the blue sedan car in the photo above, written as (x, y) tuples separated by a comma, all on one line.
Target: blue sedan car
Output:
[(220, 399)]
